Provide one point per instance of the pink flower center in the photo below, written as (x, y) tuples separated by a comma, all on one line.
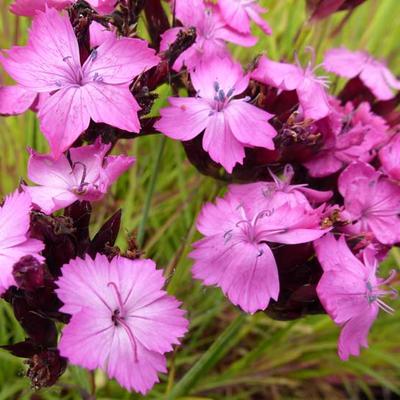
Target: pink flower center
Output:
[(118, 318), (221, 99)]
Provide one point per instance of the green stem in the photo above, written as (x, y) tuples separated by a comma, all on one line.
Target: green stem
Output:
[(217, 350), (150, 192)]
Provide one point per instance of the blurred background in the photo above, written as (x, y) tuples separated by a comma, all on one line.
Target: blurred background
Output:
[(256, 357)]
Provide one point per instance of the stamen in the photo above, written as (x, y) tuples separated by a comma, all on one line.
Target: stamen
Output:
[(117, 295), (390, 278), (84, 171), (383, 306), (131, 338)]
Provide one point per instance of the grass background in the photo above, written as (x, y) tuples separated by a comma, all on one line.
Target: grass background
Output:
[(226, 355)]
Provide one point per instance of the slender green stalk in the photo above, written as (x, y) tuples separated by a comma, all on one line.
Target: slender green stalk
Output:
[(150, 192), (216, 351)]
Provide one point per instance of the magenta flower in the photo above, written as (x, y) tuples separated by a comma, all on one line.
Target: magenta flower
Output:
[(389, 156), (235, 255), (14, 237), (354, 135), (212, 33), (373, 73), (372, 202), (310, 89), (29, 8), (122, 320), (230, 124), (98, 90), (85, 175), (350, 292), (238, 13)]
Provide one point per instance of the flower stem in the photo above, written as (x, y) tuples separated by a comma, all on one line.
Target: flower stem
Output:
[(217, 350), (150, 192)]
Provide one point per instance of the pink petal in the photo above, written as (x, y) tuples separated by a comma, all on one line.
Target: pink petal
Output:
[(355, 170), (246, 273), (186, 118), (111, 104), (221, 144), (235, 15), (63, 117), (51, 59), (355, 333), (14, 241), (313, 99), (115, 166), (344, 62), (224, 71), (29, 8), (99, 34), (254, 12), (219, 217), (389, 156), (50, 199), (249, 124), (281, 75), (374, 79), (119, 61), (15, 100)]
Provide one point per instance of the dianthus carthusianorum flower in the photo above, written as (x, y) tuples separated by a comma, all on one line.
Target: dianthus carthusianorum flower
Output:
[(236, 254), (122, 320), (97, 90), (229, 124), (350, 292), (85, 174)]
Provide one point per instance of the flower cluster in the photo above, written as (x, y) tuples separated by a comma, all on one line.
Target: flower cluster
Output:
[(312, 208)]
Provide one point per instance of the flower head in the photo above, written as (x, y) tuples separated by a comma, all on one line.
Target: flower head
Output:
[(350, 292), (85, 174), (235, 253), (122, 320), (372, 201), (310, 89), (98, 90), (238, 13), (230, 124), (212, 33), (353, 135), (373, 73), (14, 236)]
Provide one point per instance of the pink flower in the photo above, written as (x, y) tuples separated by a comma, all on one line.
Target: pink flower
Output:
[(212, 33), (354, 136), (235, 255), (29, 8), (85, 175), (389, 156), (373, 73), (310, 89), (14, 236), (122, 320), (238, 13), (372, 202), (350, 292), (99, 89), (230, 124)]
